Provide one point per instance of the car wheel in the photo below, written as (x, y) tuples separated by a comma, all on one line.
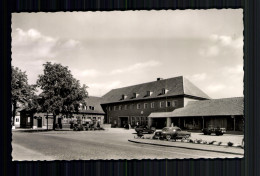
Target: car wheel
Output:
[(187, 136), (168, 137)]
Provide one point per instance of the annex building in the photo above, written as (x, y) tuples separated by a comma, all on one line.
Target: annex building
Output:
[(171, 102), (91, 110)]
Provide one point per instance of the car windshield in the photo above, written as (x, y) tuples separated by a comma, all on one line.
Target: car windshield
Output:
[(166, 129)]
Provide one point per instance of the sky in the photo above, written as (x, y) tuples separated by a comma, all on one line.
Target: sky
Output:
[(108, 50)]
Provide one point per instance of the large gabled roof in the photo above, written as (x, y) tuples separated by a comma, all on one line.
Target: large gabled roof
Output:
[(175, 86), (94, 102), (213, 107)]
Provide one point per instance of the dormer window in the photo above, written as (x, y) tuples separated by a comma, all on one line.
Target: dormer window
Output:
[(148, 93), (123, 97), (135, 95), (164, 91)]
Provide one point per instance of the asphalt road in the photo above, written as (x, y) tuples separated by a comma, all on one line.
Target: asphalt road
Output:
[(86, 145)]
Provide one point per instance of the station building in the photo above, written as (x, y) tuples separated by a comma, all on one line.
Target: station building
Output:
[(133, 105), (171, 102)]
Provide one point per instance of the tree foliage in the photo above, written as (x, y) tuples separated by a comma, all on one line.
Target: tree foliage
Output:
[(22, 93), (61, 93)]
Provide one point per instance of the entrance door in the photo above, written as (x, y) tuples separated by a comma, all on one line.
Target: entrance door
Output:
[(124, 121), (39, 123)]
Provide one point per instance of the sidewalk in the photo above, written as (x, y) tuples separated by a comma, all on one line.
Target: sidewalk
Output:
[(31, 130), (204, 147)]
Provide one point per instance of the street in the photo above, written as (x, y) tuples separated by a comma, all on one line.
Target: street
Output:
[(86, 145)]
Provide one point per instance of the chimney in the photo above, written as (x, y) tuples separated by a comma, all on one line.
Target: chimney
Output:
[(158, 79)]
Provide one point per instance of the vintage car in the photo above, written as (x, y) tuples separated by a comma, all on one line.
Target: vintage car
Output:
[(144, 129), (157, 135), (171, 133), (211, 129)]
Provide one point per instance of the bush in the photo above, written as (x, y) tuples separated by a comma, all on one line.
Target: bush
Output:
[(230, 144), (204, 142), (210, 143), (199, 141), (191, 141), (219, 143)]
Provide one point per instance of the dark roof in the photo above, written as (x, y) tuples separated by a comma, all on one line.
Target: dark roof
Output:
[(93, 101), (213, 107), (175, 86)]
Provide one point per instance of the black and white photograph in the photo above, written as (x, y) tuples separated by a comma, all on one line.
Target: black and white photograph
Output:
[(110, 85)]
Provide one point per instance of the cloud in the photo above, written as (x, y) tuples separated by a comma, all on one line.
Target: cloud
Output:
[(209, 51), (227, 41), (215, 88), (136, 66), (198, 77), (99, 89), (85, 73), (71, 44), (220, 42), (32, 44), (235, 74), (238, 69)]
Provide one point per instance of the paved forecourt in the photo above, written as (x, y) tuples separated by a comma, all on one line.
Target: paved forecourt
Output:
[(111, 143)]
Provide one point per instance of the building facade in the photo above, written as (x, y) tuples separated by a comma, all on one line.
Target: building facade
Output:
[(225, 113), (90, 110), (133, 105)]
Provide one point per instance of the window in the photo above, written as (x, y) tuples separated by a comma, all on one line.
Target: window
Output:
[(164, 91), (93, 108), (123, 97), (137, 120), (168, 104), (125, 107), (135, 95), (145, 106), (109, 108), (89, 117), (138, 106), (142, 121), (133, 106), (120, 107), (148, 93), (174, 103), (152, 105), (17, 120), (161, 104), (99, 118), (133, 121), (94, 118), (146, 121), (28, 119), (114, 108)]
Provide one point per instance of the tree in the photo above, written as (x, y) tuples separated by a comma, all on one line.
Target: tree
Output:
[(61, 92), (22, 93)]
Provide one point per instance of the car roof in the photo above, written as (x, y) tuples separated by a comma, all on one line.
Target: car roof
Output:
[(175, 127)]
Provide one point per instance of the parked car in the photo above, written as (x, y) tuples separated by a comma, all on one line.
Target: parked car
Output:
[(157, 135), (172, 133), (211, 129), (144, 129)]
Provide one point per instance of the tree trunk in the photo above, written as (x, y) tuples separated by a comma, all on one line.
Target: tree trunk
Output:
[(14, 112), (54, 121)]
